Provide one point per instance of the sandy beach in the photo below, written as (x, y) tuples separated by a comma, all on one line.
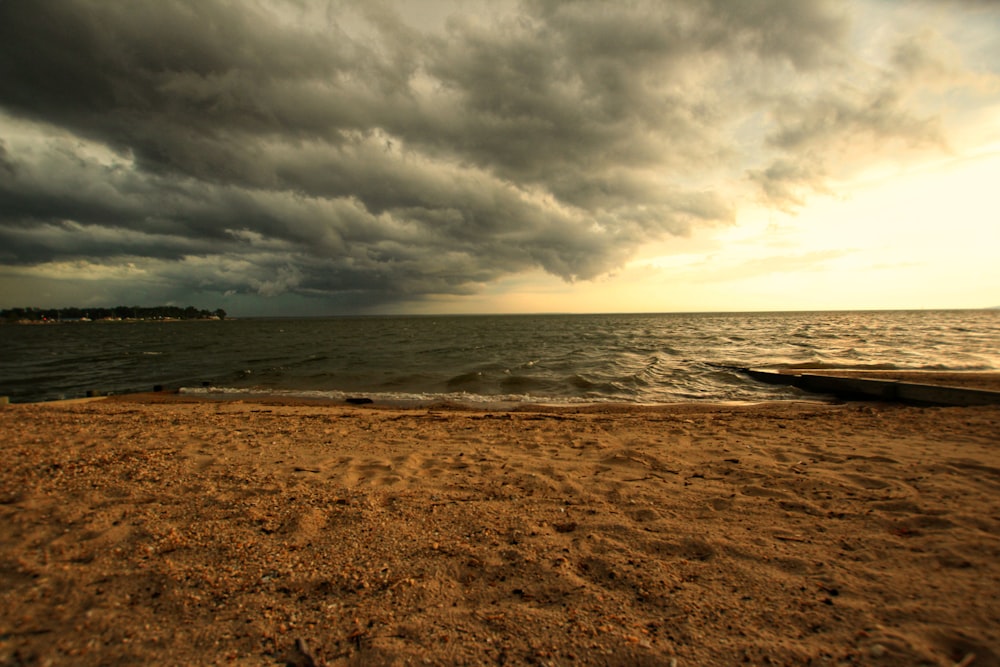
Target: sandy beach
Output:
[(165, 530)]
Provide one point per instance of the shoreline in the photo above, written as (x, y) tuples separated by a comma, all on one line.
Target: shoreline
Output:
[(160, 528), (962, 380)]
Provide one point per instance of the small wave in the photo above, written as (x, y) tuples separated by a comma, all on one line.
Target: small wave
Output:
[(521, 383), (595, 388), (957, 369), (473, 377), (831, 365), (311, 360), (818, 365), (394, 398)]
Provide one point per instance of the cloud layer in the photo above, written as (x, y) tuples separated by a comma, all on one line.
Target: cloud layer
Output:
[(350, 152)]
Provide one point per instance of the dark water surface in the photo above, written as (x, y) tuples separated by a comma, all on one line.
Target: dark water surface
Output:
[(562, 358)]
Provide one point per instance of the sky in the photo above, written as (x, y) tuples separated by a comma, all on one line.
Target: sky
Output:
[(300, 157)]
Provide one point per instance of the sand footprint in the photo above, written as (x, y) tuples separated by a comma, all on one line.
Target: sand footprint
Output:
[(304, 527), (762, 492), (378, 472)]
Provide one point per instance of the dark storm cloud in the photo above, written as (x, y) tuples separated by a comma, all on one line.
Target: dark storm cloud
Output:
[(334, 148)]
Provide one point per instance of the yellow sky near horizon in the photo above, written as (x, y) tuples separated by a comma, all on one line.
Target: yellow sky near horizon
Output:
[(922, 238)]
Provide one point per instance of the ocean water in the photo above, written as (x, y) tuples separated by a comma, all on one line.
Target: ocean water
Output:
[(657, 358)]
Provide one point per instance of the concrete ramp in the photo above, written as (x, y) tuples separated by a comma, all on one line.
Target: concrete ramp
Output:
[(877, 389)]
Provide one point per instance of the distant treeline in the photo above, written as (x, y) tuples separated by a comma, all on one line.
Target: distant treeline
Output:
[(116, 313)]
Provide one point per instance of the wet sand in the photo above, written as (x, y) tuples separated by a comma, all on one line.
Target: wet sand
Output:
[(141, 530)]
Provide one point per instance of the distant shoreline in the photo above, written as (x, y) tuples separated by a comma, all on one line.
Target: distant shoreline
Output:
[(73, 314), (112, 321)]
